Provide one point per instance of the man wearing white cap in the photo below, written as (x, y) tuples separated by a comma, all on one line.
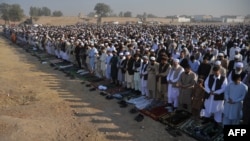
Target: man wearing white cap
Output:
[(91, 56), (223, 71), (153, 70), (103, 62), (121, 73), (129, 72), (232, 63), (173, 91), (144, 77), (239, 71), (224, 61), (233, 51), (215, 85)]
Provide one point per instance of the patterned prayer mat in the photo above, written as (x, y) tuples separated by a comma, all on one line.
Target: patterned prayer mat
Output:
[(156, 112), (176, 118), (202, 132)]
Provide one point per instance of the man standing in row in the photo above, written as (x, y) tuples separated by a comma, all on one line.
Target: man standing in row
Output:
[(173, 91)]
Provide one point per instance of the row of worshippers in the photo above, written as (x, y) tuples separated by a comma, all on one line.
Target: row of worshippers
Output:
[(178, 85), (130, 75)]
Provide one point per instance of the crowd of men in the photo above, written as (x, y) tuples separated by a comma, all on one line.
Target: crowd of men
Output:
[(200, 68)]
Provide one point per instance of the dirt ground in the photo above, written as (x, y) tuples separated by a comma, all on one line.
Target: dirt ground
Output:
[(38, 103)]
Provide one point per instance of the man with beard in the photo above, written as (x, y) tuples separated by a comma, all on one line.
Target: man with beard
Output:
[(186, 85), (173, 91), (129, 72), (144, 77), (215, 85), (164, 68), (237, 71), (153, 68)]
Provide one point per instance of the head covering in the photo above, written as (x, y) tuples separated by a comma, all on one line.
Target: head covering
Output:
[(237, 56), (221, 54), (237, 49), (145, 57), (239, 65), (127, 53), (121, 54), (176, 60), (152, 50), (152, 58), (217, 62)]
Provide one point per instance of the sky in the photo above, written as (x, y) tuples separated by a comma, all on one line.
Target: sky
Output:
[(160, 8)]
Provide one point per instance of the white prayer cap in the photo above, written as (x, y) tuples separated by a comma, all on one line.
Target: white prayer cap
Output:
[(106, 44), (239, 65), (196, 47), (209, 49), (237, 49), (237, 56), (176, 60), (127, 53), (101, 45), (133, 40), (145, 57), (121, 54), (152, 58), (236, 44), (220, 54), (217, 62), (146, 48), (152, 50)]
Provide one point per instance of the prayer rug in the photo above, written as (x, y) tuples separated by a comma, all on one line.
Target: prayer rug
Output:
[(156, 112), (202, 132), (176, 118)]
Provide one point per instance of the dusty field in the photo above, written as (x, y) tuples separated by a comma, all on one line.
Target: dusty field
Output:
[(38, 103)]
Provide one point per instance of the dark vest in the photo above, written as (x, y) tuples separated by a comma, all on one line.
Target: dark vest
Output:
[(218, 85), (137, 64), (145, 77), (163, 68)]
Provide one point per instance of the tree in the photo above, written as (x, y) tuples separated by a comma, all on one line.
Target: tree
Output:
[(11, 12), (46, 11), (4, 11), (102, 9), (16, 13), (127, 14), (37, 11), (57, 14)]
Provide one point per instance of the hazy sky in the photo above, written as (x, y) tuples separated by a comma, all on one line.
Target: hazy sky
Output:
[(160, 8)]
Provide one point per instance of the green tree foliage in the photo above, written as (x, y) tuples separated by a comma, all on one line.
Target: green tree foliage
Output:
[(128, 14), (37, 11), (102, 9), (11, 12), (57, 14)]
